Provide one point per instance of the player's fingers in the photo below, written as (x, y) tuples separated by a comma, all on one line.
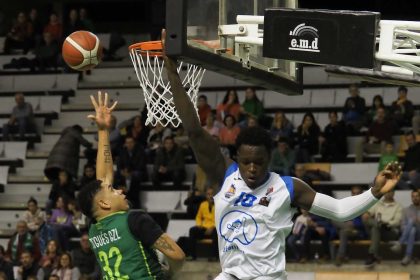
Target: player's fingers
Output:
[(94, 102), (92, 117), (113, 106), (106, 99), (100, 98)]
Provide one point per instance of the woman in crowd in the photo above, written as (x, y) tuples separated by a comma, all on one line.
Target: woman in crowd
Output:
[(65, 269)]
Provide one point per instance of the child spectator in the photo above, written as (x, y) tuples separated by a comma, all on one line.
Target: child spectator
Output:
[(32, 215), (388, 156)]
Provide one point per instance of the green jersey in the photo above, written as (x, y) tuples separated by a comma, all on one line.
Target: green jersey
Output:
[(122, 243)]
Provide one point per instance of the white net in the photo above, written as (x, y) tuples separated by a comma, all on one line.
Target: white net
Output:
[(157, 90)]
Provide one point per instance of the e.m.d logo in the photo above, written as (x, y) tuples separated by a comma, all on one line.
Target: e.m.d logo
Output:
[(304, 38)]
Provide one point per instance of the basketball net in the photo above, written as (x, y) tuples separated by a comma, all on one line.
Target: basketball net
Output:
[(149, 66)]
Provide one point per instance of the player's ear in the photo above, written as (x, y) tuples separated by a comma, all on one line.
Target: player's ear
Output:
[(104, 204)]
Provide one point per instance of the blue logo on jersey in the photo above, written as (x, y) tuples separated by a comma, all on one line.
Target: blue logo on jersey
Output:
[(238, 225)]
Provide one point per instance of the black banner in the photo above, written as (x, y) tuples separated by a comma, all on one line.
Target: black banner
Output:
[(321, 36)]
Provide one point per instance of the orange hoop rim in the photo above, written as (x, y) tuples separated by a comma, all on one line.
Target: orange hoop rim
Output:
[(148, 48)]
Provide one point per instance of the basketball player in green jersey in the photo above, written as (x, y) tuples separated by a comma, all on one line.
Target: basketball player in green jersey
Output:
[(124, 241)]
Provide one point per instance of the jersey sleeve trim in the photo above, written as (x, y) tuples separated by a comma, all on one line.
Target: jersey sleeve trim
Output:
[(289, 185), (231, 169)]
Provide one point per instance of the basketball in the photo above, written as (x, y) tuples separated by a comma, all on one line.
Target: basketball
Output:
[(82, 50)]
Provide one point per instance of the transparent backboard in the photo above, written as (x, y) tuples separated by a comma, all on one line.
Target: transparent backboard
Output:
[(206, 32)]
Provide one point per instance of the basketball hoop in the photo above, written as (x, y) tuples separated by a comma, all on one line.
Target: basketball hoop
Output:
[(149, 66)]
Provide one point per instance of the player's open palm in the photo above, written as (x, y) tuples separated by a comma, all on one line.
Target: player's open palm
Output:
[(387, 179), (103, 112)]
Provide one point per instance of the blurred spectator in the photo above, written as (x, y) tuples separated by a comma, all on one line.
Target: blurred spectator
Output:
[(229, 131), (20, 35), (281, 127), (156, 136), (54, 28), (410, 228), (416, 124), (377, 102), (73, 24), (319, 228), (29, 267), (21, 120), (411, 167), (65, 269), (353, 229), (131, 168), (387, 156), (5, 266), (379, 133), (193, 202), (229, 106), (333, 140), (36, 25), (212, 126), (63, 187), (89, 175), (45, 233), (56, 277), (169, 164), (115, 137), (32, 215), (298, 233), (181, 138), (66, 152), (402, 109), (307, 138), (204, 109), (383, 222), (22, 241), (252, 106), (85, 20), (138, 131), (50, 258), (354, 110), (282, 158), (84, 259), (61, 221), (205, 225), (300, 173), (79, 221), (252, 121)]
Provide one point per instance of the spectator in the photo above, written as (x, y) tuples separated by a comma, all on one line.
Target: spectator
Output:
[(379, 133), (298, 233), (410, 228), (137, 131), (45, 233), (333, 140), (377, 103), (307, 138), (79, 221), (252, 121), (354, 110), (281, 127), (181, 138), (353, 229), (252, 106), (21, 120), (204, 109), (29, 267), (193, 202), (73, 24), (131, 168), (32, 215), (36, 25), (55, 277), (319, 228), (229, 131), (212, 126), (66, 152), (89, 175), (20, 36), (85, 20), (282, 158), (5, 266), (411, 167), (383, 222), (402, 109), (205, 225), (65, 269), (54, 28), (229, 106), (156, 136), (169, 164), (388, 156), (63, 187), (84, 259), (22, 241), (300, 173), (61, 221), (50, 258), (115, 137)]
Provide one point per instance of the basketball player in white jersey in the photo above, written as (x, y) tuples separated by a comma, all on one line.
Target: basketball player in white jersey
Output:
[(254, 207)]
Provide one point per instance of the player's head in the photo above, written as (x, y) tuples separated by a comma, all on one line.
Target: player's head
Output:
[(98, 199), (253, 146)]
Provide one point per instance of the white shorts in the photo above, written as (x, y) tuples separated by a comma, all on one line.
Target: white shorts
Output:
[(226, 276)]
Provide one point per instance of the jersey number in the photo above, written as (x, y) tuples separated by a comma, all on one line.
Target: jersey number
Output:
[(104, 257), (245, 199)]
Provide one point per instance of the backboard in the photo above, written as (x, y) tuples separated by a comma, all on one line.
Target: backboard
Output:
[(203, 32)]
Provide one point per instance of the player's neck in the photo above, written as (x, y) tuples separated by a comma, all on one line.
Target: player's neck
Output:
[(105, 214)]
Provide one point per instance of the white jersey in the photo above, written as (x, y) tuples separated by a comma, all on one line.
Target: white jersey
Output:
[(252, 226)]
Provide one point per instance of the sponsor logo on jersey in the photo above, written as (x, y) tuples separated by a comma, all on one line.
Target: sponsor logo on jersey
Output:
[(264, 201), (269, 190), (230, 192)]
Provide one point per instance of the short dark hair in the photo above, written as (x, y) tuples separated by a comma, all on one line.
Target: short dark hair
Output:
[(86, 195), (410, 133), (254, 136), (229, 116), (33, 200), (402, 88), (203, 96), (54, 276)]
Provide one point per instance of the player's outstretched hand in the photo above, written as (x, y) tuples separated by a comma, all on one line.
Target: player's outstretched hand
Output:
[(387, 179), (170, 63), (103, 112)]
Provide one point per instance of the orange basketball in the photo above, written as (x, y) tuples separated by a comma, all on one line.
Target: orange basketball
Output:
[(82, 50)]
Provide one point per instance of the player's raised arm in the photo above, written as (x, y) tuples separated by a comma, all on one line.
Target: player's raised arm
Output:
[(104, 171), (174, 254), (349, 207), (206, 149)]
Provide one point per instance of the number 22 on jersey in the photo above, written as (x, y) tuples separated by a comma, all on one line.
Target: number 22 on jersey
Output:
[(245, 199)]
